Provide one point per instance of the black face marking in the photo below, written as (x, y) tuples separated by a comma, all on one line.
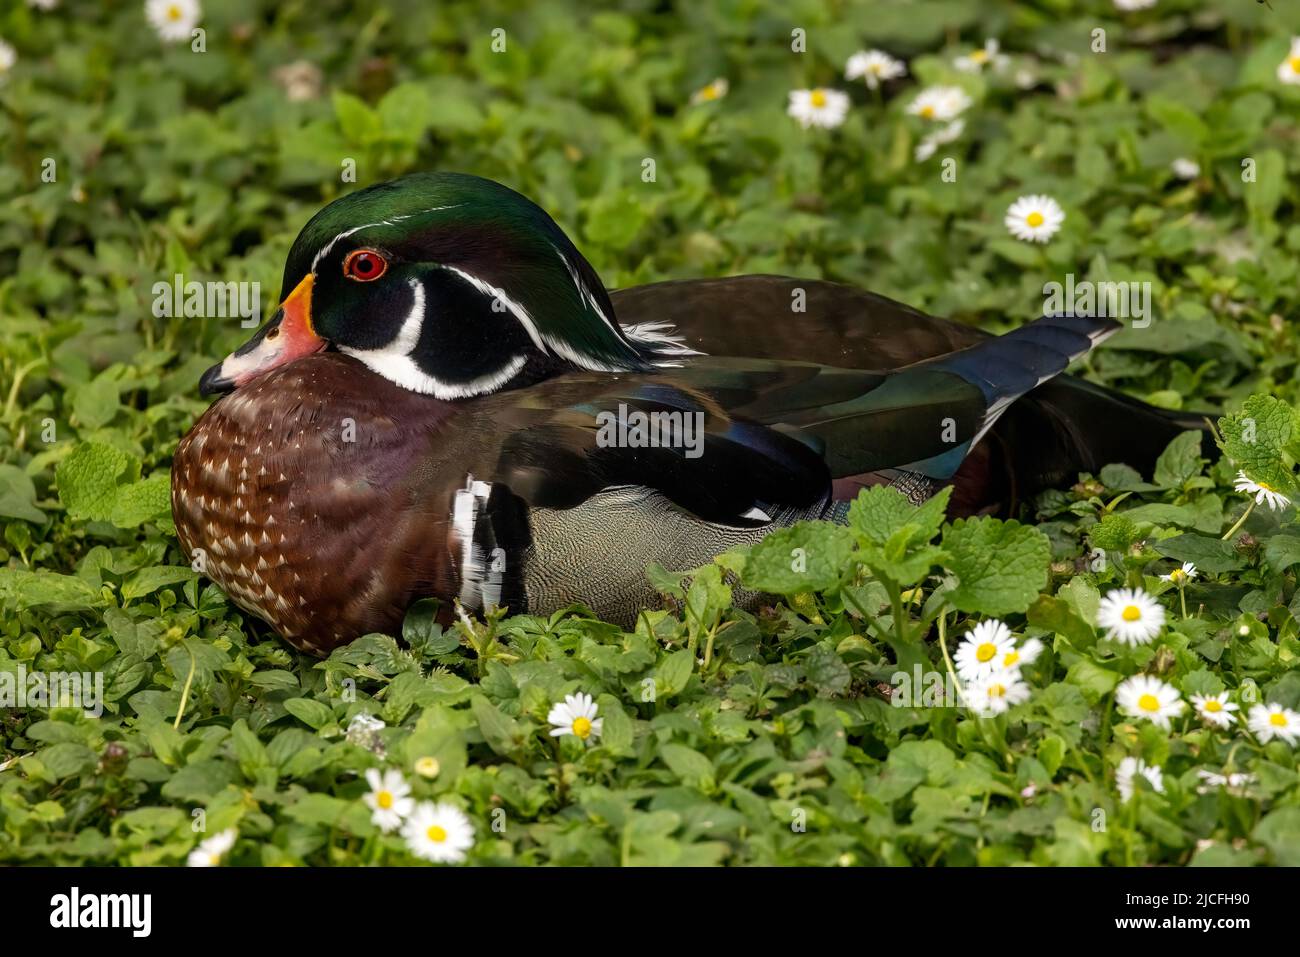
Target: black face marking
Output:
[(467, 334)]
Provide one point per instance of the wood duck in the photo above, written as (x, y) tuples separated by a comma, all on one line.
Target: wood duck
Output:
[(449, 403)]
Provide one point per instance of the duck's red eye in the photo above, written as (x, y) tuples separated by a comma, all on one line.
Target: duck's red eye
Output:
[(364, 265)]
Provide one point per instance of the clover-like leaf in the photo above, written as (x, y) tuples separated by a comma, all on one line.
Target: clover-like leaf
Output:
[(1000, 566)]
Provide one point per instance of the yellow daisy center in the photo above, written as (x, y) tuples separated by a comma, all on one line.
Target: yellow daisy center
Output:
[(817, 98), (980, 56), (582, 727), (997, 691), (1149, 702), (986, 651), (1034, 219), (1268, 488), (214, 859), (384, 799), (927, 111), (436, 834), (1294, 63), (1277, 720), (1177, 575), (1212, 706), (710, 92), (1131, 613), (1011, 658), (173, 12)]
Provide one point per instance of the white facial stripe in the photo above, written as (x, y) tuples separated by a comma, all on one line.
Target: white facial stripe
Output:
[(325, 250), (395, 363), (546, 344), (583, 291)]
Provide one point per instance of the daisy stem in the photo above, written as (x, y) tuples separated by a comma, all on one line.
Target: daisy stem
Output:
[(185, 692), (1241, 521), (1182, 600), (943, 647)]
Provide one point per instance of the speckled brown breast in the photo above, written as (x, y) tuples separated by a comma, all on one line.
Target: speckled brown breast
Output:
[(312, 498)]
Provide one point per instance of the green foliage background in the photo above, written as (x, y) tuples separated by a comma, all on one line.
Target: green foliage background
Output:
[(171, 161)]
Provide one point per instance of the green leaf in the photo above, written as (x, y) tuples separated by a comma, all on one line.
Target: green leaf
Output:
[(1114, 533), (880, 512), (148, 580), (23, 589), (200, 781), (67, 759), (313, 713), (689, 765), (807, 556), (502, 733), (1056, 615), (149, 500), (1000, 566), (359, 123), (1255, 439), (18, 495), (673, 672), (1180, 461), (1207, 554), (88, 479), (1282, 550), (95, 404), (1279, 831), (1178, 120)]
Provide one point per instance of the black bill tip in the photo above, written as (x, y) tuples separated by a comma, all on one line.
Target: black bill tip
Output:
[(213, 382)]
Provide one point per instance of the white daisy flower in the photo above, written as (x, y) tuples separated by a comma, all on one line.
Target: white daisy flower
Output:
[(995, 693), (1214, 709), (1288, 71), (1143, 696), (1017, 658), (711, 91), (944, 134), (1236, 781), (940, 103), (8, 57), (210, 851), (173, 19), (576, 715), (440, 833), (1263, 493), (1270, 721), (1130, 769), (982, 649), (388, 799), (976, 60), (818, 107), (42, 4), (874, 66), (1134, 4), (1181, 576), (1130, 616), (1185, 168), (1034, 219)]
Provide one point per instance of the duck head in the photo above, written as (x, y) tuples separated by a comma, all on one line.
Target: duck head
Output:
[(445, 284)]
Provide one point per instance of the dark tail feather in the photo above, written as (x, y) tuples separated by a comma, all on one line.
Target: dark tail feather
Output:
[(1069, 425)]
